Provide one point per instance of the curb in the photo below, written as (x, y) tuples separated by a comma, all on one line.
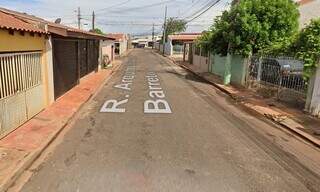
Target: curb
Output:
[(295, 130), (32, 156)]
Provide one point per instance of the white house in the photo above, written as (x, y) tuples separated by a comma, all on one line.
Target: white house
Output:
[(121, 42), (175, 43)]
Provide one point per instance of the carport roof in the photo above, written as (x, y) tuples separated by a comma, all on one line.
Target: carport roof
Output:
[(185, 36)]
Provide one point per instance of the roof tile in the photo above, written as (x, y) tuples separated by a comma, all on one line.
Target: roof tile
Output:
[(8, 21)]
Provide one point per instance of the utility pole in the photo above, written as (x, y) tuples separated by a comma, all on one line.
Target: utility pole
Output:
[(164, 30), (79, 18), (93, 21), (153, 36)]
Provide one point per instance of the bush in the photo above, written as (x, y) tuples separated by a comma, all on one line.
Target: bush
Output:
[(304, 46), (307, 47), (254, 25)]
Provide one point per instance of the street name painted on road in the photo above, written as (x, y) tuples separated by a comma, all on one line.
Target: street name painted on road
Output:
[(114, 106), (157, 103)]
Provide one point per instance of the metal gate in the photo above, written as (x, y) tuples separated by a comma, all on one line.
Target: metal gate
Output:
[(278, 77), (83, 58), (89, 55), (21, 89), (93, 55), (65, 64)]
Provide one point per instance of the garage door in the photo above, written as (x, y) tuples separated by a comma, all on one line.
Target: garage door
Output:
[(21, 89), (65, 64), (84, 68), (89, 56), (93, 55)]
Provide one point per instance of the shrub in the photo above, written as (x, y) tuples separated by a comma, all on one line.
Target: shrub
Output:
[(254, 25), (307, 47)]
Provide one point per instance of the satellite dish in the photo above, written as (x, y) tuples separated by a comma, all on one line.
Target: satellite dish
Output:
[(57, 21)]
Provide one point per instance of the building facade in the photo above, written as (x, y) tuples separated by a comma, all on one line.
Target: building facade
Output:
[(39, 62)]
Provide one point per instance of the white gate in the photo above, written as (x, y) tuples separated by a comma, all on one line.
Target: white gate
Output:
[(21, 89)]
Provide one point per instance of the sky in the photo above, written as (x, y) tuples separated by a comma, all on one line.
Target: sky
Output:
[(127, 16)]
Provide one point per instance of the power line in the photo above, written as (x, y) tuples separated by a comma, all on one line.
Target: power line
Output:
[(144, 7), (202, 7), (115, 5), (203, 12), (139, 24), (192, 6)]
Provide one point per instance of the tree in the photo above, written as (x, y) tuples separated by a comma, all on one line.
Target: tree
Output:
[(204, 41), (97, 30), (253, 25), (307, 47), (175, 26)]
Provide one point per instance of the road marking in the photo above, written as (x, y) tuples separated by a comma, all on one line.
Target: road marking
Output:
[(127, 79), (113, 106), (157, 104)]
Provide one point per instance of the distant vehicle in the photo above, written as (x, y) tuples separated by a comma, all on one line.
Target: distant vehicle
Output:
[(141, 46)]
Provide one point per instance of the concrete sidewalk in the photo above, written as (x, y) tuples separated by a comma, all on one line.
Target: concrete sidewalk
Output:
[(297, 121), (20, 148)]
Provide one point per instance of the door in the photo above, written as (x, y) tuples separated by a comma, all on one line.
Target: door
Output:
[(93, 55), (65, 65), (112, 52), (83, 56)]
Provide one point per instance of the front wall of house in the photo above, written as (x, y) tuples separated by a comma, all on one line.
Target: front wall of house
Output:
[(107, 49), (35, 98), (18, 42)]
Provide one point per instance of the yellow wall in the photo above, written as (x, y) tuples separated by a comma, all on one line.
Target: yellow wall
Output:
[(26, 42), (19, 42)]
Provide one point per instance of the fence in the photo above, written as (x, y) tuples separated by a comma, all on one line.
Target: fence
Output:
[(279, 77), (19, 72), (21, 89)]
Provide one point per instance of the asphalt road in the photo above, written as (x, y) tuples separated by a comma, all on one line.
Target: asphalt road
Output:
[(193, 138)]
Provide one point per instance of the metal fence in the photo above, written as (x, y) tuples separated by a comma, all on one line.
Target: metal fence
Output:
[(21, 89), (278, 77), (19, 72)]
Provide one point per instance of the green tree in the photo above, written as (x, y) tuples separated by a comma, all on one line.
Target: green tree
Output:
[(253, 25), (307, 47), (175, 26), (204, 41), (98, 31)]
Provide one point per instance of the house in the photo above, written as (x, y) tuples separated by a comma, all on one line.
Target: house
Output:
[(121, 42), (309, 9), (40, 62), (175, 43), (26, 85), (75, 53), (108, 51)]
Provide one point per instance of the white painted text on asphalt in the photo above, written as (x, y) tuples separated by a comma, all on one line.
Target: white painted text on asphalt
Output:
[(157, 103), (114, 106)]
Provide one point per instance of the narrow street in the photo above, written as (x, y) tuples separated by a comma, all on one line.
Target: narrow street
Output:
[(194, 138)]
